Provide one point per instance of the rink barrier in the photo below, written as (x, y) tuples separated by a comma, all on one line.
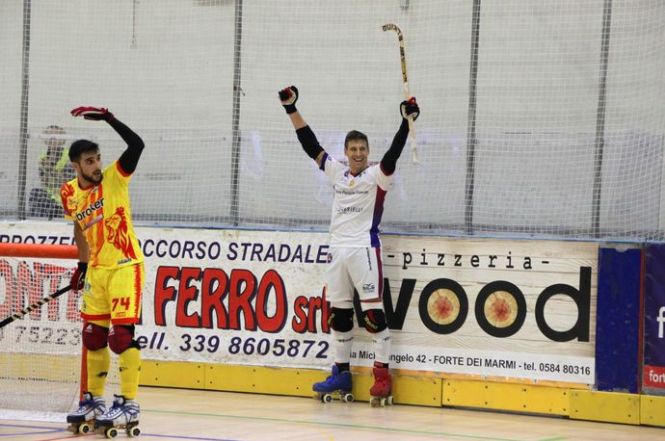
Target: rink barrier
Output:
[(579, 404), (618, 354)]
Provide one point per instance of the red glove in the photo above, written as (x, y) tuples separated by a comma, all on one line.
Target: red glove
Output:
[(94, 113), (78, 278)]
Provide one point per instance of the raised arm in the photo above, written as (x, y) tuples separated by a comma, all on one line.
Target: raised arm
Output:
[(130, 157), (288, 96), (408, 109)]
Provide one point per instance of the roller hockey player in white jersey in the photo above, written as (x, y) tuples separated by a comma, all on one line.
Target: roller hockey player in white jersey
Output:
[(355, 248)]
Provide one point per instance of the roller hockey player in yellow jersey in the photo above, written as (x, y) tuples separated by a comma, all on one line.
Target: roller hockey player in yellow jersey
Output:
[(110, 272)]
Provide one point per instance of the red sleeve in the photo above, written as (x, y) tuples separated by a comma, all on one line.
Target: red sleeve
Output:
[(66, 193)]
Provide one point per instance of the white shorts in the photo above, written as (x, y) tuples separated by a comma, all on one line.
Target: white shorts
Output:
[(358, 268)]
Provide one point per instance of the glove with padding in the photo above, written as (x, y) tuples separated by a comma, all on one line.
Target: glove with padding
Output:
[(289, 96), (93, 113), (78, 278), (409, 109)]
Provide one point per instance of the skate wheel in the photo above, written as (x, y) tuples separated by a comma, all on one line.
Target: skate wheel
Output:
[(133, 432), (84, 428), (389, 400), (377, 401), (111, 432), (348, 398), (326, 398)]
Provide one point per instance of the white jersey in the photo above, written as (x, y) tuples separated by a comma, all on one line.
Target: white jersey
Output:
[(357, 204)]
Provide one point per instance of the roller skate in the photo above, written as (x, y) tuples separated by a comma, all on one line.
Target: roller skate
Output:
[(380, 391), (124, 414), (336, 386), (82, 420)]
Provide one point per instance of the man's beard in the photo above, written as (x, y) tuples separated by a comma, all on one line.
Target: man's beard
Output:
[(92, 178)]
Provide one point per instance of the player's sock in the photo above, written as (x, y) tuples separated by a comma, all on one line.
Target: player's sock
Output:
[(382, 346), (343, 341), (130, 368), (98, 363)]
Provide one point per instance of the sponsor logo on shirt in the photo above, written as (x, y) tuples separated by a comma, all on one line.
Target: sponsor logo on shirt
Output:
[(350, 192), (90, 210), (349, 210)]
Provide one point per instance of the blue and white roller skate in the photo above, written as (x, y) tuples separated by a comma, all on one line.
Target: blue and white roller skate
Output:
[(336, 386), (124, 414), (82, 420)]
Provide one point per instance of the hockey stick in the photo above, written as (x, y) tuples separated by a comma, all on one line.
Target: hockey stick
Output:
[(405, 83), (34, 306)]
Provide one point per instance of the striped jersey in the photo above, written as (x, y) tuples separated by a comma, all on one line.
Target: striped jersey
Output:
[(357, 203), (103, 212)]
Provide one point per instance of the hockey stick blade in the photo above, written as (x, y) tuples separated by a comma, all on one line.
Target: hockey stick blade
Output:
[(392, 27), (34, 306)]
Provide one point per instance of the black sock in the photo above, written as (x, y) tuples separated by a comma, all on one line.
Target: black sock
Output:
[(343, 366)]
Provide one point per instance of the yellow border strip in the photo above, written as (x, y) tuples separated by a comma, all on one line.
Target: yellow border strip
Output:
[(613, 407), (506, 396), (407, 389), (652, 410)]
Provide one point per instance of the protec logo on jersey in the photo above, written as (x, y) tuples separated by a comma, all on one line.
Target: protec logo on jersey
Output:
[(90, 210)]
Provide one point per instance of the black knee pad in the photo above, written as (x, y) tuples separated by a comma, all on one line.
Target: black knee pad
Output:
[(94, 337), (341, 320), (121, 338), (374, 320)]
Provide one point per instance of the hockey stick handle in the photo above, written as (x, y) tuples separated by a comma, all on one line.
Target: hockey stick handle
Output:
[(34, 306), (412, 133)]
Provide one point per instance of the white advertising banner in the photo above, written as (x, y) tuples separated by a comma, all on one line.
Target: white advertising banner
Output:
[(483, 307)]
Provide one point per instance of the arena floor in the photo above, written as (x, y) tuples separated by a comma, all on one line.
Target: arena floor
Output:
[(219, 416)]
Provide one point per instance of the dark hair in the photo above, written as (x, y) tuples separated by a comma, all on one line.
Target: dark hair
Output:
[(355, 135), (81, 146)]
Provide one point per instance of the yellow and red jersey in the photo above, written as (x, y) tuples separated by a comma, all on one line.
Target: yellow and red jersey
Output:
[(103, 212)]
